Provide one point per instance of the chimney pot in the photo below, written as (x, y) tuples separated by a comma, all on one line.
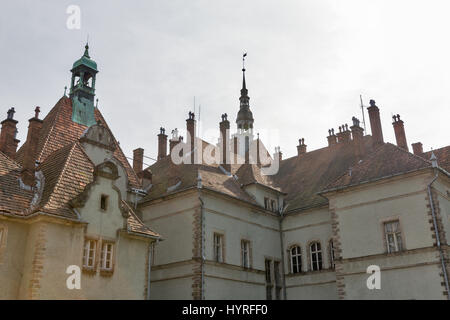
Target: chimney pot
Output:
[(138, 160), (190, 128), (224, 126), (375, 123), (30, 152), (8, 141), (162, 143), (399, 131), (301, 148)]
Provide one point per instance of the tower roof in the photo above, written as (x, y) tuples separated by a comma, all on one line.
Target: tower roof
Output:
[(85, 60), (245, 116)]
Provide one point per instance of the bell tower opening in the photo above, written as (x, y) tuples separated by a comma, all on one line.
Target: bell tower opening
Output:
[(82, 89)]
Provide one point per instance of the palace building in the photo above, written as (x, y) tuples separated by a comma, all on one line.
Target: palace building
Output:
[(236, 222)]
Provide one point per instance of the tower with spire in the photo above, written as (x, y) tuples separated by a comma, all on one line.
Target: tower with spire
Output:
[(244, 118), (82, 89)]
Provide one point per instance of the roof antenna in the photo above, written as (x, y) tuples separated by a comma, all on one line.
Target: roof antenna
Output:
[(362, 111)]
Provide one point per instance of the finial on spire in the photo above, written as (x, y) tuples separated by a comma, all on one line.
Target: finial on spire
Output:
[(86, 49), (10, 113)]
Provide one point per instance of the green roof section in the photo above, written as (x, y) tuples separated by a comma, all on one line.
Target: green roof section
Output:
[(85, 60)]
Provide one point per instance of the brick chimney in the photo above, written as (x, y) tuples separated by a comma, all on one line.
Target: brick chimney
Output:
[(146, 177), (278, 154), (162, 143), (174, 140), (224, 126), (399, 130), (358, 137), (30, 151), (375, 123), (8, 141), (344, 134), (301, 148), (417, 148), (332, 139), (138, 160), (190, 128)]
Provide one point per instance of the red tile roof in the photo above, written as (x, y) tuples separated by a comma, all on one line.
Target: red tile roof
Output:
[(442, 156), (13, 199), (385, 161), (58, 130)]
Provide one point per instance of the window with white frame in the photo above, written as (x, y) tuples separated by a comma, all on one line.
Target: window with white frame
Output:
[(393, 236), (316, 256), (218, 247), (89, 253), (296, 259), (106, 261), (245, 253), (332, 256)]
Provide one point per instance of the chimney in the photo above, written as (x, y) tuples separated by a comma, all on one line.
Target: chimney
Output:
[(399, 130), (30, 151), (225, 143), (301, 148), (278, 154), (332, 139), (417, 148), (174, 140), (358, 137), (190, 128), (235, 149), (375, 123), (138, 160), (344, 134), (162, 143), (8, 141), (146, 178)]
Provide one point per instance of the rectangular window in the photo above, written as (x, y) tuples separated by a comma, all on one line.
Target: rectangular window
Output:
[(273, 205), (393, 236), (316, 256), (269, 285), (89, 253), (276, 270), (266, 203), (107, 256), (218, 247), (104, 202), (245, 253)]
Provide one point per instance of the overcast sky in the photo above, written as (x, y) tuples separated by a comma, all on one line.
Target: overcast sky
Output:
[(307, 64)]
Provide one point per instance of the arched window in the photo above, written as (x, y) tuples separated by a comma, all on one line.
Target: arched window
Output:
[(316, 256), (332, 257), (296, 259)]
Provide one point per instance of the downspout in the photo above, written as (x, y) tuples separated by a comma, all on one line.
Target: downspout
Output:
[(280, 220), (153, 243), (438, 241)]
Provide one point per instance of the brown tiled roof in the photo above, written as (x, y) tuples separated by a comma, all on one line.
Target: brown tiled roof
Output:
[(442, 156), (251, 173), (13, 199), (58, 130), (385, 161), (302, 177), (67, 172), (169, 178), (135, 225)]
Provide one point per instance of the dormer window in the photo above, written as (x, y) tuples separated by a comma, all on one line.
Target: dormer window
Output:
[(104, 202)]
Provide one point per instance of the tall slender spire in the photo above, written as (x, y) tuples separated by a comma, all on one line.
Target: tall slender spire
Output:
[(244, 118)]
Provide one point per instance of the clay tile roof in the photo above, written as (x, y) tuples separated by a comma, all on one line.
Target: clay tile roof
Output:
[(385, 161), (442, 156), (58, 130), (13, 199), (67, 172), (302, 177), (251, 173), (169, 178), (134, 224)]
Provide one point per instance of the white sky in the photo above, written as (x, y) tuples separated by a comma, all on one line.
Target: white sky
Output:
[(307, 63)]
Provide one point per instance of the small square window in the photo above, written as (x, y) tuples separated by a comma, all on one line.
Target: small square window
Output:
[(104, 202)]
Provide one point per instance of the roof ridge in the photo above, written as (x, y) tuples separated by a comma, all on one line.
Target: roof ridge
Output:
[(410, 154), (58, 111)]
